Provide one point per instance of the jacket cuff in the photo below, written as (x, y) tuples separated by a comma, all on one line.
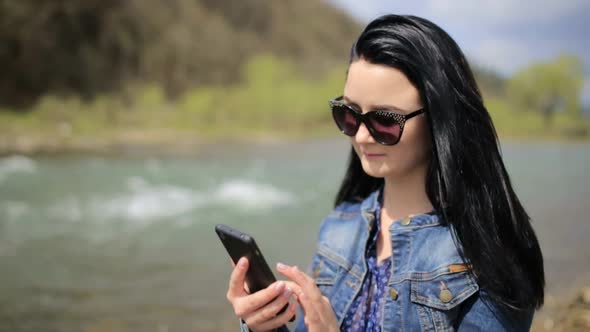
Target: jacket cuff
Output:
[(243, 326)]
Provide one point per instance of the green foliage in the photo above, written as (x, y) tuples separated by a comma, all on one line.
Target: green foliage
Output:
[(491, 83), (528, 123), (549, 87), (273, 98), (95, 47), (142, 69)]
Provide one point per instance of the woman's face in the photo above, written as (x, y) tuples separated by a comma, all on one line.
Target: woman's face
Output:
[(369, 87)]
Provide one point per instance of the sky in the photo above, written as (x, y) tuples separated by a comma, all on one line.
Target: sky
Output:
[(502, 35)]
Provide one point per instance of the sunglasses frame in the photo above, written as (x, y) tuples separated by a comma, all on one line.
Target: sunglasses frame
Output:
[(364, 118)]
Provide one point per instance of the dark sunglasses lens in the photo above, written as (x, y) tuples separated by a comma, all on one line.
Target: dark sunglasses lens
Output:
[(386, 129), (345, 119)]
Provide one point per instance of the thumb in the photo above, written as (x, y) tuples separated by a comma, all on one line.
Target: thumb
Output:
[(237, 278)]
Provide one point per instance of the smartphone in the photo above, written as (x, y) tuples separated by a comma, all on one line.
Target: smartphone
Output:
[(239, 244)]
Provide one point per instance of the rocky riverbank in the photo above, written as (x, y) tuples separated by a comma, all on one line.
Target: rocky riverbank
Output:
[(572, 315)]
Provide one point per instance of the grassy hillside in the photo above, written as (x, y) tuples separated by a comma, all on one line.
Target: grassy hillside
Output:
[(93, 47), (90, 75)]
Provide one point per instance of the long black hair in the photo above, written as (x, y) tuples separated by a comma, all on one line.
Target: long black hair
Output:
[(466, 179)]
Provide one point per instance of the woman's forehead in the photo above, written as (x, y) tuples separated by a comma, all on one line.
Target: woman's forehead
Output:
[(370, 84)]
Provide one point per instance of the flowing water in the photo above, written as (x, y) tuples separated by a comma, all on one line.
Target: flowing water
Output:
[(128, 244)]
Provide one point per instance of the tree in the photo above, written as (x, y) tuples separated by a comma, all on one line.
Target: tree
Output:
[(549, 87), (94, 47)]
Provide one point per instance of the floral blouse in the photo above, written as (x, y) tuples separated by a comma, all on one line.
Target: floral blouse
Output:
[(366, 310)]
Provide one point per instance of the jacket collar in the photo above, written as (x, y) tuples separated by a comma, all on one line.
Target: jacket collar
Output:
[(372, 203)]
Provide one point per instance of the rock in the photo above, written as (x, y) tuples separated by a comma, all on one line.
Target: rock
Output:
[(585, 296), (548, 324), (572, 316)]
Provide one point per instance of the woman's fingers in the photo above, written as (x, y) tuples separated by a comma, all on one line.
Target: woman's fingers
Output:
[(278, 320), (293, 273), (283, 318), (247, 304), (317, 309), (261, 310), (305, 282), (294, 287), (309, 296), (267, 315)]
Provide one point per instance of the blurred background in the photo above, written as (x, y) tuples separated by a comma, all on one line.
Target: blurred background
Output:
[(128, 129)]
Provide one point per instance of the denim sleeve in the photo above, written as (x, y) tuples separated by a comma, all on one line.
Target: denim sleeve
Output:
[(479, 313), (300, 322), (243, 326)]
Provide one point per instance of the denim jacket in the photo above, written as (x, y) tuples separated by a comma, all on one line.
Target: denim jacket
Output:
[(429, 289)]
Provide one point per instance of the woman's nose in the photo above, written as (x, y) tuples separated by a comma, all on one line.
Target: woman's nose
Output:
[(363, 135)]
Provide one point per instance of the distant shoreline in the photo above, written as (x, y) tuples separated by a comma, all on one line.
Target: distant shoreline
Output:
[(182, 144), (143, 143)]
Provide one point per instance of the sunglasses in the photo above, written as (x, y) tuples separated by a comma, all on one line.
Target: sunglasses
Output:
[(386, 127)]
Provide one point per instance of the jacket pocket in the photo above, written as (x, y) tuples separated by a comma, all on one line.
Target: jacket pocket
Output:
[(437, 299), (324, 272)]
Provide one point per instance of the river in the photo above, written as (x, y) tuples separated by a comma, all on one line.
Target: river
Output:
[(90, 243)]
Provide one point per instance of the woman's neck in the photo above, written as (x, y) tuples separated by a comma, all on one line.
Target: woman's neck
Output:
[(406, 196)]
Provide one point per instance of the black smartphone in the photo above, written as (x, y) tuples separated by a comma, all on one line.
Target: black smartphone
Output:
[(238, 245)]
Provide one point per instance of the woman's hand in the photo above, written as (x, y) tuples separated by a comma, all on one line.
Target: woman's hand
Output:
[(318, 312), (259, 310)]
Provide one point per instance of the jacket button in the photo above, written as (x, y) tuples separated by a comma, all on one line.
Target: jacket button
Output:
[(446, 295), (406, 221), (393, 293)]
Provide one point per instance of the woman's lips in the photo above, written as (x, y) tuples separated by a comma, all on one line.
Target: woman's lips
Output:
[(374, 155)]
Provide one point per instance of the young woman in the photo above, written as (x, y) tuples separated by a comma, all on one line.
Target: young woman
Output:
[(427, 233)]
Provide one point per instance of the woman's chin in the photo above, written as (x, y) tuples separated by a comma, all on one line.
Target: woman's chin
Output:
[(376, 170)]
